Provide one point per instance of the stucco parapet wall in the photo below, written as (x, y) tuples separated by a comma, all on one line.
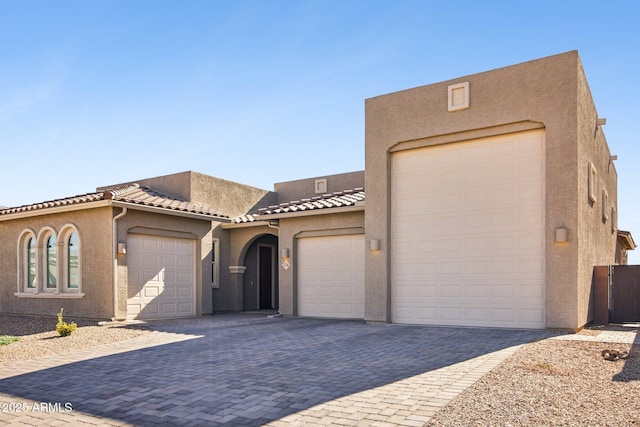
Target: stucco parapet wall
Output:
[(131, 196)]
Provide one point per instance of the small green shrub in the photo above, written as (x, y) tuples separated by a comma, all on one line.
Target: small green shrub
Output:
[(64, 328), (7, 339)]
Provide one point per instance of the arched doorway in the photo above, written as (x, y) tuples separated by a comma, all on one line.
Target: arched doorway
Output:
[(260, 280)]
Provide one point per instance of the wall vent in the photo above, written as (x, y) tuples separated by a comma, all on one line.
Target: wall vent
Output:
[(321, 186)]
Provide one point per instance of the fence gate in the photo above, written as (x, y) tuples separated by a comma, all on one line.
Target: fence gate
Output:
[(625, 293)]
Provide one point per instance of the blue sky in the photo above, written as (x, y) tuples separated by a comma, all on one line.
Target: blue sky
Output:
[(98, 92)]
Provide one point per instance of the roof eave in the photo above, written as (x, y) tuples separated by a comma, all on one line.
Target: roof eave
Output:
[(55, 210), (627, 240), (256, 223), (311, 212), (168, 211)]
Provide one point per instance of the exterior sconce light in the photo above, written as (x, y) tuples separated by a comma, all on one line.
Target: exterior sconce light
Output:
[(122, 248), (284, 253), (562, 235), (375, 245)]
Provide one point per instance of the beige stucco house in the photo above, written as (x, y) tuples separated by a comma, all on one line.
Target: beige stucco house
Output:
[(489, 200)]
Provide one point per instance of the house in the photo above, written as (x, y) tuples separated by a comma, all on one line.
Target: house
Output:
[(133, 250), (490, 198), (495, 196)]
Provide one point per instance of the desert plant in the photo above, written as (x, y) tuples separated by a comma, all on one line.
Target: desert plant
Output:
[(64, 328), (7, 339)]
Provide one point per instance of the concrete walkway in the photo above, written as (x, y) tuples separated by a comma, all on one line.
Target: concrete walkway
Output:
[(250, 370)]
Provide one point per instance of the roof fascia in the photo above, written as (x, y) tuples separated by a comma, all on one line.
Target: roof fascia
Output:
[(166, 211), (312, 212), (256, 223), (55, 210)]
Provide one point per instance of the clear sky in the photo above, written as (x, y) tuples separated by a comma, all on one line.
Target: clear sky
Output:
[(99, 92)]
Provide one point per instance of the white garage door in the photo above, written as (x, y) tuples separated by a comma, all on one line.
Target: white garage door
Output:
[(331, 276), (161, 277), (468, 233)]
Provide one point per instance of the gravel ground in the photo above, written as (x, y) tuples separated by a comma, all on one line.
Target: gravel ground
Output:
[(553, 383), (38, 336)]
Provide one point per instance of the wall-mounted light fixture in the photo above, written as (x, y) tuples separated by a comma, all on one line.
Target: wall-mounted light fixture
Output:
[(562, 235), (122, 248), (375, 245), (284, 253)]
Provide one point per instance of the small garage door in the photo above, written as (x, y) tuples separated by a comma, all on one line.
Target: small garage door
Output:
[(161, 277), (331, 276), (468, 233)]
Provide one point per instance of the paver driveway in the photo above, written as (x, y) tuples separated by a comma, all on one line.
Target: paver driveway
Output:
[(253, 370)]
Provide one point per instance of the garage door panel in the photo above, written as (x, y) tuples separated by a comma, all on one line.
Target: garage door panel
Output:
[(331, 276), (162, 285), (475, 254)]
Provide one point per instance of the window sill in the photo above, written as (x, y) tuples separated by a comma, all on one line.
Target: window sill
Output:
[(49, 295)]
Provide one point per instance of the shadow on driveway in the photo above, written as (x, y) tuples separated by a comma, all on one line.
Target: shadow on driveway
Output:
[(250, 370)]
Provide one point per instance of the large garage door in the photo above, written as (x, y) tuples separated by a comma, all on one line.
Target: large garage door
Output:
[(331, 276), (161, 277), (468, 233)]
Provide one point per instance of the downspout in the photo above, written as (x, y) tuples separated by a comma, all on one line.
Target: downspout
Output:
[(115, 262)]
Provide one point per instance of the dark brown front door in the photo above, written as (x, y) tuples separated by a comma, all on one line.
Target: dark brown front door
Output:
[(265, 276)]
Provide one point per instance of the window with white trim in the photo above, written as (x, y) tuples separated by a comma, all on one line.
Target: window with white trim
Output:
[(73, 261), (70, 259), (49, 263), (31, 263), (27, 262)]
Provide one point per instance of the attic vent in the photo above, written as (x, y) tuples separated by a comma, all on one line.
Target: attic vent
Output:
[(458, 96), (321, 186)]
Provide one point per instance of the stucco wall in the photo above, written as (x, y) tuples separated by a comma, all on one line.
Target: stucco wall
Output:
[(140, 222), (305, 188), (227, 197), (596, 235), (547, 93), (94, 229), (229, 297), (291, 229)]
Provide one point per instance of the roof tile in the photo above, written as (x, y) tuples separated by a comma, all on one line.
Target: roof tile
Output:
[(134, 194)]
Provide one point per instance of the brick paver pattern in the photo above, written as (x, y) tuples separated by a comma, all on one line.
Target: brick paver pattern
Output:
[(252, 370)]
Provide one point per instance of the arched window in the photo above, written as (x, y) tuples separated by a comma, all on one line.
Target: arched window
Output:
[(30, 257), (50, 263), (73, 261), (27, 262), (51, 258)]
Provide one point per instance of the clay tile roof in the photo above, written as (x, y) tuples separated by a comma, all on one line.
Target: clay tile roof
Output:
[(133, 194), (242, 219), (148, 197), (326, 201)]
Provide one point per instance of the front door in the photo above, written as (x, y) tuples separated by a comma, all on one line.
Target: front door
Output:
[(265, 277)]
